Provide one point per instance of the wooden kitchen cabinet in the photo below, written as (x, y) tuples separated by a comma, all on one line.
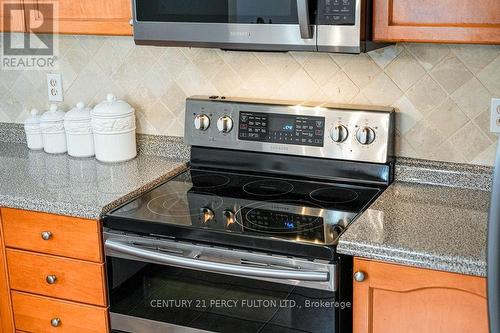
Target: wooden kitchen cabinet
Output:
[(89, 17), (443, 21), (12, 20), (51, 266), (6, 320), (395, 299)]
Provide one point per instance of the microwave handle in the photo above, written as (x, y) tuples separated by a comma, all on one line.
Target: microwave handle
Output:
[(306, 31), (215, 267)]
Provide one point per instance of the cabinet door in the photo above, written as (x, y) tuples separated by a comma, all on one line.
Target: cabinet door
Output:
[(395, 299), (463, 21), (6, 321), (95, 17), (12, 16)]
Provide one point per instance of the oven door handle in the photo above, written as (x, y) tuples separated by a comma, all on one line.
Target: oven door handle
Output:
[(306, 31), (216, 267)]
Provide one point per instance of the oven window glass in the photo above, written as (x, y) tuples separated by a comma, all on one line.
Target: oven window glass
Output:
[(216, 302), (218, 11)]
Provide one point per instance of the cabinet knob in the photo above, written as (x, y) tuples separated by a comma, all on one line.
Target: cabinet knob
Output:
[(55, 322), (46, 235), (131, 22), (51, 279), (359, 276)]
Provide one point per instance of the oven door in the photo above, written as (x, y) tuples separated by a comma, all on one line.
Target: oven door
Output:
[(277, 25), (168, 286)]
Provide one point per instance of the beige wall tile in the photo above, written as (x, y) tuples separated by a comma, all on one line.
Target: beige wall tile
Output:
[(157, 80)]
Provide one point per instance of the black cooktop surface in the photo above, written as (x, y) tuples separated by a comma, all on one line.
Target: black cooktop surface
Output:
[(259, 212)]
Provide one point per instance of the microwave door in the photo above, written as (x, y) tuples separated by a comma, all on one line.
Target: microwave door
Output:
[(279, 25)]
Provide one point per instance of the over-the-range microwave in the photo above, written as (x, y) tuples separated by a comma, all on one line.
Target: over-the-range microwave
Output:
[(261, 25)]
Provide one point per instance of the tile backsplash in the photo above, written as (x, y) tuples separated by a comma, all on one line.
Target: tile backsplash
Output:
[(442, 92)]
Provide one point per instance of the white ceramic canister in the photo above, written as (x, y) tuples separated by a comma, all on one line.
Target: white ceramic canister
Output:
[(113, 125), (33, 131), (52, 125), (78, 127)]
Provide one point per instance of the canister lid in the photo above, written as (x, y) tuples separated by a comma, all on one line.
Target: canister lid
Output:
[(78, 113), (34, 118), (112, 107), (53, 115)]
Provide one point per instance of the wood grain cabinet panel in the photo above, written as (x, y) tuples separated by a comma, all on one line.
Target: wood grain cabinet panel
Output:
[(395, 299), (464, 21), (96, 17), (35, 313), (69, 279), (69, 237), (6, 321), (12, 16)]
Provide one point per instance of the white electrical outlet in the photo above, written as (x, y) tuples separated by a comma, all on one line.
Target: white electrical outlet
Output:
[(54, 85), (495, 115)]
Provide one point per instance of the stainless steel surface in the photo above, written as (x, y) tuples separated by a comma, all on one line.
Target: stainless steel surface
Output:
[(280, 269), (263, 37), (201, 122), (359, 276), (494, 251), (135, 324), (339, 133), (55, 322), (225, 124), (51, 279), (342, 38), (353, 117), (306, 31), (366, 135), (46, 235)]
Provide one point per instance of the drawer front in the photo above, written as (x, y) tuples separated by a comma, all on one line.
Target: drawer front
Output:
[(64, 236), (65, 278), (36, 313)]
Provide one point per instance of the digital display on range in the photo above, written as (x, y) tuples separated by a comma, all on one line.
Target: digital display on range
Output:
[(281, 128)]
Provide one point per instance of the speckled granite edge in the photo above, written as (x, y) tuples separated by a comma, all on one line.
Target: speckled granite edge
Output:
[(163, 146), (422, 260), (87, 211), (469, 176), (13, 133)]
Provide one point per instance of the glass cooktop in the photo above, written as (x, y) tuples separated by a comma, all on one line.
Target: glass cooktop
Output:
[(236, 208)]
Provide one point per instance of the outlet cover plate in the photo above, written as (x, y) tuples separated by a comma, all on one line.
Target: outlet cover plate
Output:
[(495, 115), (54, 87)]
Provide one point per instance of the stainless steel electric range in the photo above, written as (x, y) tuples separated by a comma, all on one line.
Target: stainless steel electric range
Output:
[(245, 240)]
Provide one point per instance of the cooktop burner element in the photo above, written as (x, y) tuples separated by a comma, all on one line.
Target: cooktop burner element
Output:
[(333, 195), (174, 205), (268, 187), (209, 180)]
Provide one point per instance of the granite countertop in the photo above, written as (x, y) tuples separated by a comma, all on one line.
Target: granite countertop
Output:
[(427, 226), (86, 188)]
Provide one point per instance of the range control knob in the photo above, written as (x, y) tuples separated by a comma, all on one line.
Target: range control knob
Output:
[(225, 124), (230, 220), (339, 133), (201, 122), (366, 135), (207, 216)]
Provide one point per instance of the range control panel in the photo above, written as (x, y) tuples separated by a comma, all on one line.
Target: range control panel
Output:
[(337, 12), (329, 131), (281, 128)]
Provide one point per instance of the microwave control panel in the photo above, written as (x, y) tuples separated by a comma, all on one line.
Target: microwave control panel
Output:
[(337, 12)]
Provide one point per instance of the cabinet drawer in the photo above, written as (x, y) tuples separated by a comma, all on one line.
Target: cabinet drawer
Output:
[(35, 313), (69, 237), (70, 279)]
